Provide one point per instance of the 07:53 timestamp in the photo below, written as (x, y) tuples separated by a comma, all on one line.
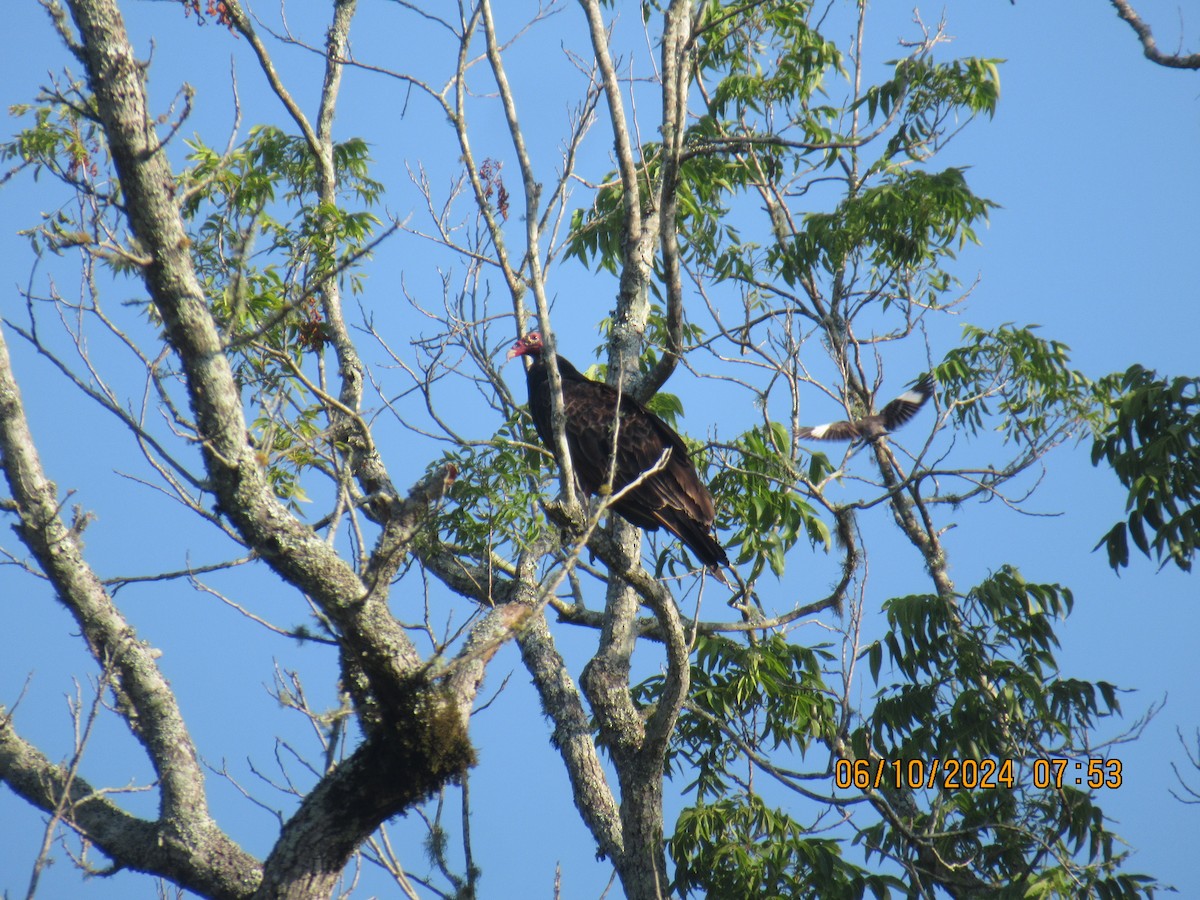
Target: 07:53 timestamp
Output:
[(1095, 773)]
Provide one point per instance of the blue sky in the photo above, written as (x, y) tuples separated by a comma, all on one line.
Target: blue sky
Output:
[(1092, 157)]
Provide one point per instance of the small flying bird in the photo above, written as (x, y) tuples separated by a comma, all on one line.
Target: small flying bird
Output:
[(669, 494), (870, 428)]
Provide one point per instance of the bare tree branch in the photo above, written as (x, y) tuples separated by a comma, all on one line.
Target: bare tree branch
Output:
[(1149, 46)]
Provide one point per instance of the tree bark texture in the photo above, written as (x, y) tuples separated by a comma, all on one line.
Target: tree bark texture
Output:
[(417, 740)]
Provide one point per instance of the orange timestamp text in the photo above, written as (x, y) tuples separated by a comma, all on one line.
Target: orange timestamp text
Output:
[(975, 774)]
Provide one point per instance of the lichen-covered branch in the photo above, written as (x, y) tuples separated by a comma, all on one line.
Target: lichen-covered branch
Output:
[(144, 697)]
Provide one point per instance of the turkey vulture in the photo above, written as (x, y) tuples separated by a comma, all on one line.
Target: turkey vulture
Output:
[(672, 497), (869, 428)]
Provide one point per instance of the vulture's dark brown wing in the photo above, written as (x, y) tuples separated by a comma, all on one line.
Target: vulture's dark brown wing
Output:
[(671, 497), (538, 381)]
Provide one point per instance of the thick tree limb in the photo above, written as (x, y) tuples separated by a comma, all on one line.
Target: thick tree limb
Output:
[(572, 736), (395, 768), (209, 864), (417, 728), (148, 703), (235, 476)]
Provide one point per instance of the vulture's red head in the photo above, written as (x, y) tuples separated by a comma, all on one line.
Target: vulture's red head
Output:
[(530, 345)]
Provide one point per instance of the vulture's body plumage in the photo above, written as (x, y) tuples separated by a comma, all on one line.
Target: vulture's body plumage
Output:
[(870, 428), (672, 496)]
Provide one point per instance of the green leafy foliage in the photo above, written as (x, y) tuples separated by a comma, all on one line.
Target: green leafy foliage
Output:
[(264, 244), (703, 180), (758, 500), (765, 56), (741, 847), (68, 145), (286, 450), (925, 93), (268, 187), (770, 56), (977, 679), (495, 497), (995, 646), (61, 141), (1019, 380), (1152, 442), (909, 219), (767, 697)]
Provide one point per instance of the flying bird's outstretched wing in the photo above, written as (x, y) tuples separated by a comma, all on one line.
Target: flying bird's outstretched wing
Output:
[(891, 417), (668, 493)]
